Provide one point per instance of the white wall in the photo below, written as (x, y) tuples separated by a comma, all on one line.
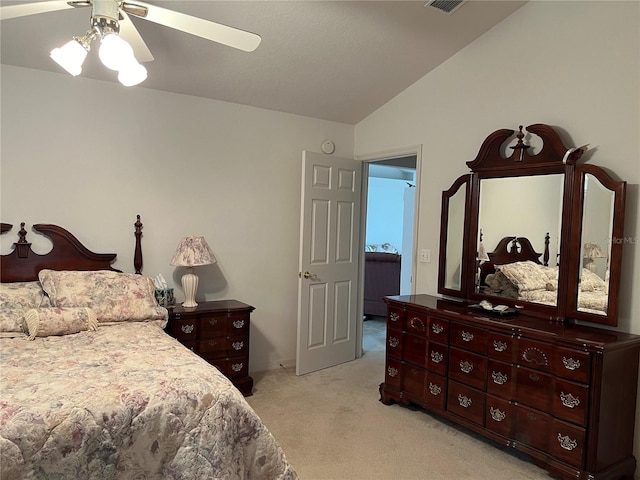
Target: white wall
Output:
[(573, 65), (90, 155)]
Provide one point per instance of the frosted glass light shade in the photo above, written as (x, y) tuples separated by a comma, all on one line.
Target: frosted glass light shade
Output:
[(115, 53), (132, 75), (70, 57)]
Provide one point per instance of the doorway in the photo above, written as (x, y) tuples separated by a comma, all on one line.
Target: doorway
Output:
[(390, 206)]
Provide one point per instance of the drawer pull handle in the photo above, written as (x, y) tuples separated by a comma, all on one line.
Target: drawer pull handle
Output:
[(394, 317), (570, 363), (417, 324), (465, 366), (464, 401), (394, 342), (499, 378), (392, 372), (213, 322), (569, 400), (187, 328), (467, 336), (238, 323), (434, 389), (436, 357), (212, 343), (236, 367), (531, 416), (534, 377), (566, 442), (499, 346), (497, 415), (437, 328), (535, 355), (237, 345)]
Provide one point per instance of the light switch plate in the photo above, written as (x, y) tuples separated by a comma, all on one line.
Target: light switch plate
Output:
[(425, 255)]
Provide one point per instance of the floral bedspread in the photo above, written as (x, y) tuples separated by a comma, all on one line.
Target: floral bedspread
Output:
[(125, 402)]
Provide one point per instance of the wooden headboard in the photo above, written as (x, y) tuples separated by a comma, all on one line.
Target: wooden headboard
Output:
[(67, 253), (511, 250)]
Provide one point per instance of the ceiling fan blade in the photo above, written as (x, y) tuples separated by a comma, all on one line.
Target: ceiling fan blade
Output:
[(13, 11), (129, 32), (199, 27)]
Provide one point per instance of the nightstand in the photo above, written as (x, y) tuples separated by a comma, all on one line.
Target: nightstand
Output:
[(218, 331)]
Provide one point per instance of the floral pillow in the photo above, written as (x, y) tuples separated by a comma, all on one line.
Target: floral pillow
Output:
[(11, 322), (113, 296), (591, 282), (44, 322), (22, 295), (526, 276)]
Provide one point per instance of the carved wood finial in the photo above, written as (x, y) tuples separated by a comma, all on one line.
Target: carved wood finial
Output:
[(520, 146), (22, 246), (137, 257), (22, 234)]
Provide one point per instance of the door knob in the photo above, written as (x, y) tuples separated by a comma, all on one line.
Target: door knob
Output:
[(308, 275)]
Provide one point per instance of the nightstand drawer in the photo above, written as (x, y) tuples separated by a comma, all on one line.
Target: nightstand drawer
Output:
[(236, 367), (223, 346), (185, 330)]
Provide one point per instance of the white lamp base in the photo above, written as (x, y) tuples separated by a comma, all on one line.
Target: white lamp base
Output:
[(190, 286)]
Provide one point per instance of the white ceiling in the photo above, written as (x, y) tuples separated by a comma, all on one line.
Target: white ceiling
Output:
[(331, 60)]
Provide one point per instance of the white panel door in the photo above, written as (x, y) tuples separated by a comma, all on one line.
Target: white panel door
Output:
[(328, 305)]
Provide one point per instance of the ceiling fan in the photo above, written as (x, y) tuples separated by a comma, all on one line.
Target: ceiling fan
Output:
[(122, 48)]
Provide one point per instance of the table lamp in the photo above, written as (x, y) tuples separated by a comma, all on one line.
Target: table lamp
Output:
[(591, 251), (192, 252)]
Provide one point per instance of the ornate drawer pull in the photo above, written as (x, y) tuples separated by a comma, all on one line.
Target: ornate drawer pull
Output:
[(394, 342), (392, 372), (437, 328), (187, 328), (213, 322), (570, 363), (566, 442), (434, 389), (237, 345), (465, 366), (499, 378), (212, 343), (417, 324), (497, 415), (238, 323), (394, 317), (531, 416), (467, 336), (534, 377), (499, 346), (436, 357), (569, 400), (236, 367), (464, 401)]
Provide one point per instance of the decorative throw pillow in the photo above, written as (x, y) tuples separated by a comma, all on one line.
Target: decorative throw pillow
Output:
[(525, 276), (11, 321), (591, 282), (44, 322), (113, 296), (22, 295)]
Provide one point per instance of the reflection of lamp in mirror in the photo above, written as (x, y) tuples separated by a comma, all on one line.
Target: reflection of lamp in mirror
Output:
[(591, 251), (481, 257), (192, 252)]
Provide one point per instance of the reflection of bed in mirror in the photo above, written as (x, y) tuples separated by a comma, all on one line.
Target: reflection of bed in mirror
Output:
[(515, 271)]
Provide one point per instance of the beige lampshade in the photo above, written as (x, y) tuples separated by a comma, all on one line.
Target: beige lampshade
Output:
[(192, 252), (592, 250)]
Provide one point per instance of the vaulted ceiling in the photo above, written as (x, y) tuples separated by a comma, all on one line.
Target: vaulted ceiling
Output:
[(331, 60)]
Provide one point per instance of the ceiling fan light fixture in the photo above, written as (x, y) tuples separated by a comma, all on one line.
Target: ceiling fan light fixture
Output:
[(132, 74), (70, 56), (115, 53)]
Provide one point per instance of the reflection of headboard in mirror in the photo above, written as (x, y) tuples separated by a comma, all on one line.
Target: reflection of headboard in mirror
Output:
[(537, 185)]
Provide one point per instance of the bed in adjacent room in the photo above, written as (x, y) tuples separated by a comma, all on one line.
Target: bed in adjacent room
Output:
[(92, 386)]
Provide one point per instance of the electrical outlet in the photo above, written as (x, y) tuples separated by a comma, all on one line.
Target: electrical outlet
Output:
[(425, 255)]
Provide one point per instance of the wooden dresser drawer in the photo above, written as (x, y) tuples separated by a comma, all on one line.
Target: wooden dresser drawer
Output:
[(224, 346), (501, 347), (394, 318), (535, 388), (468, 368), (416, 323), (438, 329), (532, 427), (413, 380), (185, 330), (466, 402), (212, 326), (394, 343), (571, 364), (437, 357), (567, 443), (501, 379), (499, 415), (469, 338), (534, 354), (392, 372), (435, 391), (415, 349), (570, 401), (236, 367)]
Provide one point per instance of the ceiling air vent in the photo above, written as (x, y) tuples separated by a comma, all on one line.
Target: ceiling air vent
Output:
[(445, 6)]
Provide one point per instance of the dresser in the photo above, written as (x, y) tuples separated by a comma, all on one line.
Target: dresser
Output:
[(218, 331), (563, 394)]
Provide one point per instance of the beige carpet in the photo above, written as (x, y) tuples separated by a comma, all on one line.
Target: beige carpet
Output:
[(332, 426)]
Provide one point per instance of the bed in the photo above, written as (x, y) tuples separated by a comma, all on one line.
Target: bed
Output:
[(515, 271), (92, 386)]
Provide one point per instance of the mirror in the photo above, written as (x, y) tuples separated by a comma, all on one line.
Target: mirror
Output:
[(452, 236), (539, 231)]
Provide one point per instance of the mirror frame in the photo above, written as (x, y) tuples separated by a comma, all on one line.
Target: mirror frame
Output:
[(553, 158)]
